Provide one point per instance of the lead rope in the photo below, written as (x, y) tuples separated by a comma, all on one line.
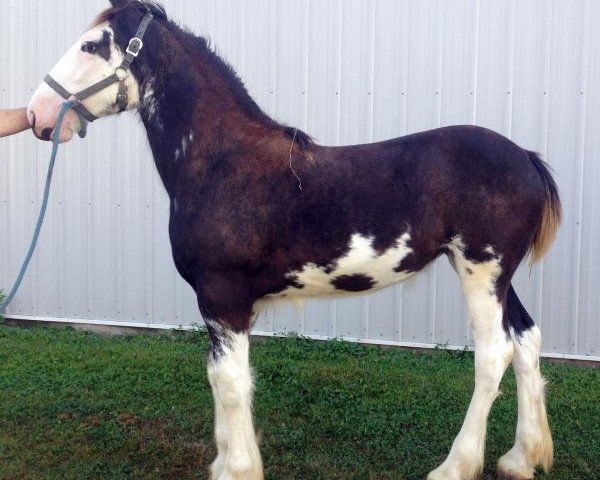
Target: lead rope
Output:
[(38, 227)]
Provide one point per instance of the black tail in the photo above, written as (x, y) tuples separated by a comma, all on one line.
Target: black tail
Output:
[(515, 315)]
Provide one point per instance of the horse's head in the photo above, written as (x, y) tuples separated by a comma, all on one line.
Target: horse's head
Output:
[(96, 56)]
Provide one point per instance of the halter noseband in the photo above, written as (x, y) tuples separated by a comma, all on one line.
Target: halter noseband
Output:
[(121, 73)]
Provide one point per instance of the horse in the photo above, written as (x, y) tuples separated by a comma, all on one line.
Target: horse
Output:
[(260, 212)]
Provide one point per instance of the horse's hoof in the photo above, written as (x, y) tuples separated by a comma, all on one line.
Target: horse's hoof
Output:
[(509, 476)]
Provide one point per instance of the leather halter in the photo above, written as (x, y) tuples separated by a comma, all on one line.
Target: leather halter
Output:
[(121, 73)]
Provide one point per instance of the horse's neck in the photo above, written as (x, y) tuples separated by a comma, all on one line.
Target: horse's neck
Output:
[(190, 116)]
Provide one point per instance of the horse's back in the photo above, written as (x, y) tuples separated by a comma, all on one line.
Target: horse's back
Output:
[(468, 149)]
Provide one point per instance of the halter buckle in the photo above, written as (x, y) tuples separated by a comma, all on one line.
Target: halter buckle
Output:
[(134, 47)]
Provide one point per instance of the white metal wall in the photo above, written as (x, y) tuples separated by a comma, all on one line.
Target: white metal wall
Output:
[(347, 71)]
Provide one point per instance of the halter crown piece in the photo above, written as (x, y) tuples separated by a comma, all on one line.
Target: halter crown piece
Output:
[(121, 73)]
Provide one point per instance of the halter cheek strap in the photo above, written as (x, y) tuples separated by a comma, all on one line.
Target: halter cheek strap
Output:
[(120, 74)]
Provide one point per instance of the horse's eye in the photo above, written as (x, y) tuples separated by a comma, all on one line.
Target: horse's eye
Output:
[(88, 48)]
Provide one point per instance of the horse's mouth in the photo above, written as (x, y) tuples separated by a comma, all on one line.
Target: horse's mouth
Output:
[(47, 134), (44, 134)]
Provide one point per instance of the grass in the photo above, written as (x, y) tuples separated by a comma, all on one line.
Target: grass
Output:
[(81, 406)]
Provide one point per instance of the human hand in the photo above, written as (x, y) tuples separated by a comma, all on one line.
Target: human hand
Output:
[(13, 121)]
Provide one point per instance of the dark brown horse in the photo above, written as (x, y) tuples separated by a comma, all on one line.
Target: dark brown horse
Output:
[(260, 212)]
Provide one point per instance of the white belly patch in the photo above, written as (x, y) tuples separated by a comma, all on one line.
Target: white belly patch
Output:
[(361, 269)]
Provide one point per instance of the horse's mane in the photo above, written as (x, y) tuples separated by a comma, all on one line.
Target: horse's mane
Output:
[(302, 139), (204, 47)]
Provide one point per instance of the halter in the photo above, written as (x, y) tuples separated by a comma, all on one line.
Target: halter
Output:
[(121, 73)]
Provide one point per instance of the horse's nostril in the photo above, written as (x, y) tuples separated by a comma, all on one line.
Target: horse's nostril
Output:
[(46, 134)]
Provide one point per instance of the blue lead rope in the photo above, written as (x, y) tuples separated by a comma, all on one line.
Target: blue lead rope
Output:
[(38, 227)]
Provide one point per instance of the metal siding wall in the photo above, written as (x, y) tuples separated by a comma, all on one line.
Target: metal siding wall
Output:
[(347, 71), (588, 328)]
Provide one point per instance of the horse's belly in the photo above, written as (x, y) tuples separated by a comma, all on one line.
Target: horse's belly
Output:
[(362, 269)]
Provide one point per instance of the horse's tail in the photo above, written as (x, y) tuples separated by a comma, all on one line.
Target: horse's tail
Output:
[(552, 213)]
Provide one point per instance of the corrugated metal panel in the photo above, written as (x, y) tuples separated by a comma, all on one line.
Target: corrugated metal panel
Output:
[(347, 71)]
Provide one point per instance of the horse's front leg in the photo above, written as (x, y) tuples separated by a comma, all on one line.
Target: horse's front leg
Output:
[(221, 432), (232, 385)]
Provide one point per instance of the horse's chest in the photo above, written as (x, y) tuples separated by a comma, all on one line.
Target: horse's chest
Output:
[(361, 269)]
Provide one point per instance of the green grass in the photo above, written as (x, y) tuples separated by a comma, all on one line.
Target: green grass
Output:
[(76, 405)]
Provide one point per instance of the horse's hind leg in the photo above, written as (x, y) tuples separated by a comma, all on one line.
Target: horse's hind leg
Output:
[(533, 442), (481, 282)]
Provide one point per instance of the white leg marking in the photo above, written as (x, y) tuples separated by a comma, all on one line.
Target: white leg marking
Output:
[(493, 352), (221, 435), (231, 379), (533, 442)]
